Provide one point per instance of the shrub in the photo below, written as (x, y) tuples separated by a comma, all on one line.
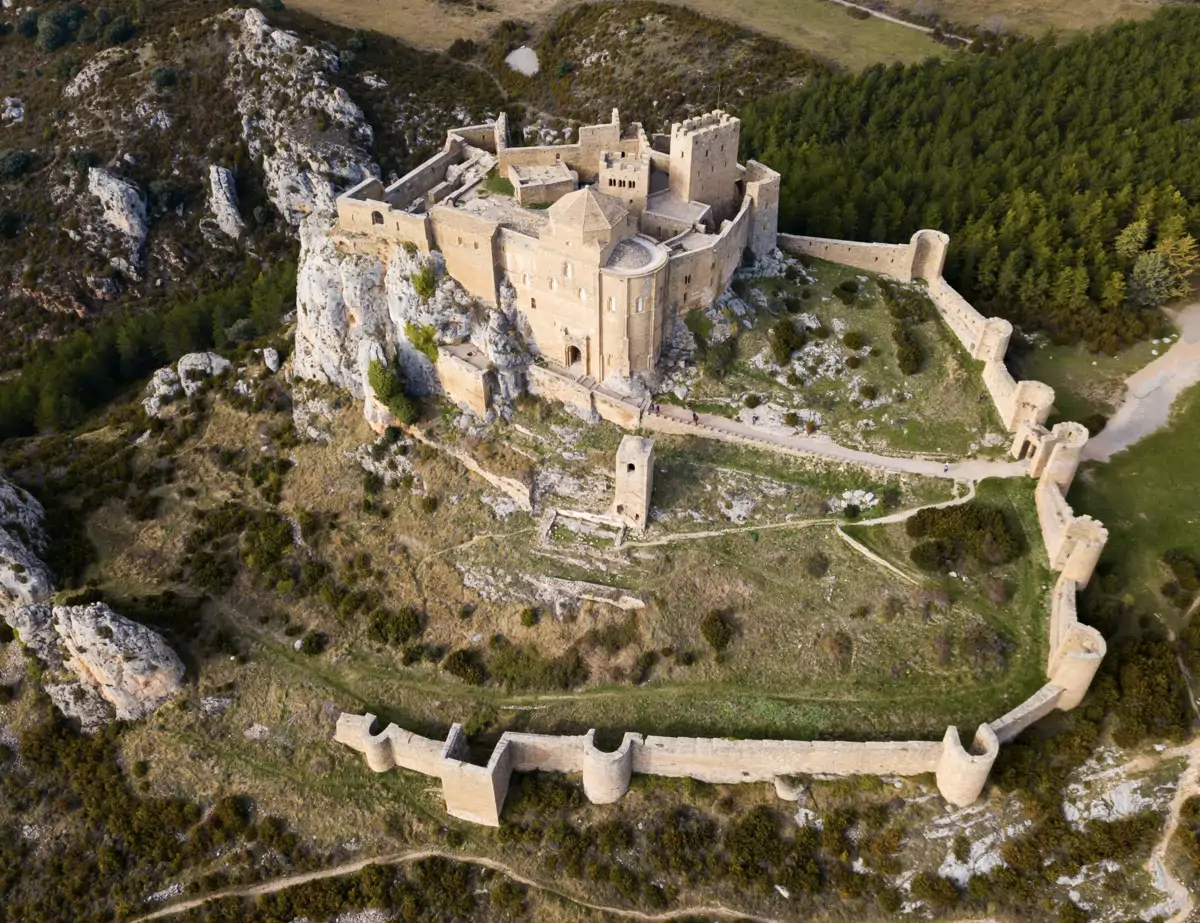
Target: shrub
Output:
[(868, 392), (851, 511), (423, 339), (424, 281), (466, 666), (846, 291), (716, 630), (13, 164), (791, 418), (853, 362), (462, 48), (854, 340), (163, 77), (53, 30), (120, 30), (752, 400), (529, 616), (909, 354), (810, 426), (785, 340), (313, 643), (389, 390), (817, 564), (507, 897), (938, 891), (27, 25), (981, 531), (1095, 423), (394, 628)]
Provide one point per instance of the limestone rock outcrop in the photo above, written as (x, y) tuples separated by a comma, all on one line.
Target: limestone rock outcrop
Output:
[(352, 308), (12, 110), (195, 367), (162, 388), (89, 75), (118, 230), (109, 657), (24, 579), (279, 82), (223, 202)]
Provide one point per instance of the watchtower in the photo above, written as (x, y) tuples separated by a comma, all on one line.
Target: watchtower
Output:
[(704, 165), (635, 481)]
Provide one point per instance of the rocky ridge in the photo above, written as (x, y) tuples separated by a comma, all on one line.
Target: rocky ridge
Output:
[(24, 579), (108, 665), (279, 82)]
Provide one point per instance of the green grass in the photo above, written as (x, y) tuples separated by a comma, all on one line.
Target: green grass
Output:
[(1084, 383), (942, 409), (1149, 498), (498, 184)]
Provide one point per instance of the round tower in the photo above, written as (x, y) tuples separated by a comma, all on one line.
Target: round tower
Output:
[(961, 775), (1069, 440), (1076, 662), (606, 775), (929, 254)]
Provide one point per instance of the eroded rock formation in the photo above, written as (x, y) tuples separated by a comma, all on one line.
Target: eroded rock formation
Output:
[(24, 579), (98, 656)]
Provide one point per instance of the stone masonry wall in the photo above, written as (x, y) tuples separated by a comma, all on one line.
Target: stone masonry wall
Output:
[(1073, 545)]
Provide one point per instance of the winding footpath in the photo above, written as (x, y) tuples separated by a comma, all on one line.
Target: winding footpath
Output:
[(1180, 898), (1151, 392), (716, 911)]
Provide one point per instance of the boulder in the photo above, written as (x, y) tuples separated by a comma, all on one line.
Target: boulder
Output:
[(24, 579), (222, 200), (122, 662), (12, 111), (160, 391), (271, 359), (123, 212), (197, 366)]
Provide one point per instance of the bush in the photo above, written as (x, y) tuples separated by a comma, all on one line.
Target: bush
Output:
[(27, 25), (462, 48), (466, 666), (909, 354), (851, 511), (785, 340), (854, 340), (752, 400), (163, 77), (1095, 423), (933, 556), (817, 564), (389, 390), (981, 531), (423, 339), (791, 418), (313, 643), (853, 362), (53, 30), (393, 628), (529, 616), (716, 630), (13, 164), (938, 891), (120, 30), (868, 392), (424, 281)]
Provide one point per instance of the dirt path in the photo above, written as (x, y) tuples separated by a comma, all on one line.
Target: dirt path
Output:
[(1151, 392), (713, 426), (1181, 899), (900, 22), (350, 868)]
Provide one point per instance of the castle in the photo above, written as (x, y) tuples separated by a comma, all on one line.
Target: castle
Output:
[(605, 242)]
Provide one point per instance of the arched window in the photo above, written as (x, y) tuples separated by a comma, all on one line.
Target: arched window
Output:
[(532, 304), (376, 218), (553, 284)]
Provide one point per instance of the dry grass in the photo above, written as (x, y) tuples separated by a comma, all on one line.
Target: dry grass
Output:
[(813, 25), (1034, 17)]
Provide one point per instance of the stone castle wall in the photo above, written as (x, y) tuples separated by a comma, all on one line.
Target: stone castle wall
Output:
[(1073, 545)]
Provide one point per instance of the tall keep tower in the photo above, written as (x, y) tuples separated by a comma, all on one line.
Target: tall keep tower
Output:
[(704, 165), (635, 481)]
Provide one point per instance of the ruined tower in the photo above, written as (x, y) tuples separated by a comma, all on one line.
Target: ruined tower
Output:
[(635, 481)]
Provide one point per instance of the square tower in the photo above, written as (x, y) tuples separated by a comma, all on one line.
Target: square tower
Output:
[(635, 481), (704, 165)]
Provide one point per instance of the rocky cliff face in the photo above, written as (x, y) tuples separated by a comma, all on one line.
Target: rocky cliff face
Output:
[(279, 82), (352, 308), (105, 664), (24, 579)]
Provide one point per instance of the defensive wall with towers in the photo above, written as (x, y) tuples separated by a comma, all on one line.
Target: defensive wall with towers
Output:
[(1073, 546)]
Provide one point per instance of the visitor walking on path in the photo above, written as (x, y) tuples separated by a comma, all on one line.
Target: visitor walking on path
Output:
[(946, 468)]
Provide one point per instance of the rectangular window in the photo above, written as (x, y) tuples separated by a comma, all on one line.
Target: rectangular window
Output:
[(612, 305), (687, 280), (641, 304)]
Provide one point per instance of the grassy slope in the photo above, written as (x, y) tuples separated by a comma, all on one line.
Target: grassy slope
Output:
[(1027, 18), (1149, 498), (812, 25)]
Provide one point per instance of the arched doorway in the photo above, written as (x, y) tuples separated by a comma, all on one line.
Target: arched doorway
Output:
[(376, 218), (574, 356)]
